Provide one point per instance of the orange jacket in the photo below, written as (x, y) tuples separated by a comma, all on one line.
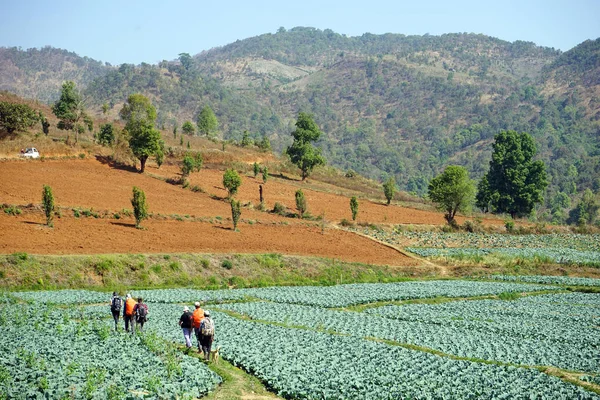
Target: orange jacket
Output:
[(197, 317), (129, 304)]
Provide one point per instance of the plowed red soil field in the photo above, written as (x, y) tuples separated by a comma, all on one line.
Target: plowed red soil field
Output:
[(92, 184)]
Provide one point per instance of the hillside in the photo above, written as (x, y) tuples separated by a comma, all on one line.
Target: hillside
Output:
[(388, 104)]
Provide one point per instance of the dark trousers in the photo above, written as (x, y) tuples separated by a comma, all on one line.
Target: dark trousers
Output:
[(206, 343), (116, 315), (198, 335), (128, 321)]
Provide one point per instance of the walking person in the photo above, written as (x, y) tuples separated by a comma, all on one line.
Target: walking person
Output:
[(128, 312), (185, 322), (197, 318), (115, 308), (140, 311), (207, 334)]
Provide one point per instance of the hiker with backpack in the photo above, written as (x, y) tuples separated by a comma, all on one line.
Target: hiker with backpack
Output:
[(140, 311), (207, 334), (185, 322), (115, 308), (197, 318), (128, 312)]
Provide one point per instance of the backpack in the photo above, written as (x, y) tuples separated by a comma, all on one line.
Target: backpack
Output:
[(208, 327), (140, 313), (116, 304)]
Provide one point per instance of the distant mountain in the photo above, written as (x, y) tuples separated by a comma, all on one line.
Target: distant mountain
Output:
[(39, 73), (388, 104)]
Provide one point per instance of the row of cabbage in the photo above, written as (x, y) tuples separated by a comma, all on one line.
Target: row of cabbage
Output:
[(557, 255), (307, 364), (550, 280), (533, 333), (45, 353), (489, 240), (323, 296)]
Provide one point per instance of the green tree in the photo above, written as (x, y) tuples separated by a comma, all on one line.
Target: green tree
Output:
[(256, 169), (175, 132), (354, 207), (106, 136), (246, 141), (264, 144), (105, 108), (70, 111), (188, 128), (186, 60), (302, 153), (236, 212), (265, 174), (300, 203), (17, 117), (586, 211), (207, 121), (140, 208), (231, 181), (48, 204), (159, 156), (453, 191), (198, 161), (515, 183), (389, 188), (187, 166), (144, 138)]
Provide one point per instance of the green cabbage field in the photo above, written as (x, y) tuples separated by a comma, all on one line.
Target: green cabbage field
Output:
[(302, 345)]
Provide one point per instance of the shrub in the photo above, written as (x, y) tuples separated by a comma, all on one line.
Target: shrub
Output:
[(48, 204), (389, 187), (265, 174), (354, 207), (187, 166), (510, 226), (198, 162), (140, 208), (175, 266), (300, 202), (236, 212), (509, 296), (350, 174), (256, 169), (12, 210), (226, 264), (205, 263), (346, 223), (106, 136), (231, 181), (279, 208)]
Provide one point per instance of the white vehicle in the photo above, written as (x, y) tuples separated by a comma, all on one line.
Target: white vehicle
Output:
[(30, 152)]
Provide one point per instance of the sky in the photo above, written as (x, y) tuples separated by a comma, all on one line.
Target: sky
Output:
[(153, 30)]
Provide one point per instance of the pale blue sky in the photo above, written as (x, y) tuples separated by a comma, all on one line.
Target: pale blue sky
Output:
[(152, 30)]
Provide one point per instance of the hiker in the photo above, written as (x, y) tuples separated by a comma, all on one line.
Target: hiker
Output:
[(207, 332), (140, 311), (197, 318), (128, 312), (115, 308), (185, 322)]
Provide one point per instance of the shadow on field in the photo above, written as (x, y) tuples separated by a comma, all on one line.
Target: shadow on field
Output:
[(225, 228), (34, 223), (123, 224), (113, 164)]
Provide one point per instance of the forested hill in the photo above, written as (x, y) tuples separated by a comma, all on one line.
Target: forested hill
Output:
[(388, 104)]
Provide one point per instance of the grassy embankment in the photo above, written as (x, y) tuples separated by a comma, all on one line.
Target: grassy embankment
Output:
[(21, 271)]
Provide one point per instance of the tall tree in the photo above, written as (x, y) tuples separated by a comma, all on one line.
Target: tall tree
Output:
[(586, 211), (515, 183), (144, 139), (70, 111), (207, 121), (453, 191), (302, 152), (186, 60), (389, 187)]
